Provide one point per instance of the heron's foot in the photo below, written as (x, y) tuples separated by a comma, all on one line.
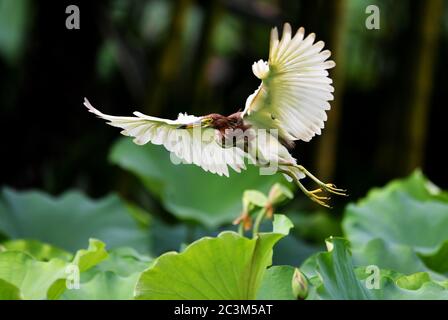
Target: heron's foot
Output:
[(328, 187), (331, 188), (317, 194)]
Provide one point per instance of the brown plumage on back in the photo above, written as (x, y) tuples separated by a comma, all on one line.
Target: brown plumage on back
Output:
[(222, 123)]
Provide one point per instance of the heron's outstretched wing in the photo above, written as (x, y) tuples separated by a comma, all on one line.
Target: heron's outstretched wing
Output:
[(295, 88), (183, 137)]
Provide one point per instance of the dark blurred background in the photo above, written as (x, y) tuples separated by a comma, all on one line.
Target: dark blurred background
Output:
[(164, 57)]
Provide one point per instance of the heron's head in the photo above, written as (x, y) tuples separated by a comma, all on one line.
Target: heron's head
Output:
[(207, 121), (214, 120), (219, 122)]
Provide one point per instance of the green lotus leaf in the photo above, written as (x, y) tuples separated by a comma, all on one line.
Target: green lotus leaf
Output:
[(45, 279), (40, 251), (187, 191), (226, 267), (69, 220), (334, 276), (402, 227), (276, 284), (112, 279), (9, 291)]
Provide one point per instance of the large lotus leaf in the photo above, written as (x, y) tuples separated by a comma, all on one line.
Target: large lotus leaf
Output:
[(416, 185), (33, 278), (396, 286), (113, 279), (438, 259), (334, 274), (226, 267), (277, 284), (335, 277), (38, 250), (84, 260), (186, 190), (43, 279), (124, 262), (9, 291), (428, 290), (68, 221), (389, 255), (403, 227), (88, 258), (104, 286)]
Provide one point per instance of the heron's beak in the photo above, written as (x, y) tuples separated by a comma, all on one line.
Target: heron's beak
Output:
[(206, 122)]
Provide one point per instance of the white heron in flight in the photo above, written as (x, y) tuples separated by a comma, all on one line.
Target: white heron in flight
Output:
[(290, 104)]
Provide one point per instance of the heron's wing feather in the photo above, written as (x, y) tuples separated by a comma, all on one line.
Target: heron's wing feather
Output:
[(198, 147), (295, 89)]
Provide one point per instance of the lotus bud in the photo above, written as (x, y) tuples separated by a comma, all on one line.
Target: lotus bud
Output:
[(299, 285)]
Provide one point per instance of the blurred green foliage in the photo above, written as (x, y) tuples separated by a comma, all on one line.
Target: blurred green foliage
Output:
[(408, 216), (15, 19), (187, 191), (69, 220), (399, 229)]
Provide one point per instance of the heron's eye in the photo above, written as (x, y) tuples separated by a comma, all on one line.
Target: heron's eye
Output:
[(206, 121)]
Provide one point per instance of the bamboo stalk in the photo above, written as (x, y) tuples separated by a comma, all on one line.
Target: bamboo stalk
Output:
[(213, 12), (170, 59), (421, 83), (327, 146)]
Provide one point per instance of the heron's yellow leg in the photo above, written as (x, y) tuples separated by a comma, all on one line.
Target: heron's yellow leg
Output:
[(314, 195), (329, 187), (310, 194)]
